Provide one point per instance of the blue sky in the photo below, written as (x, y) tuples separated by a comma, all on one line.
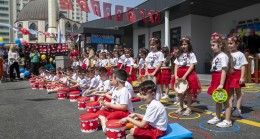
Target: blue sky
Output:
[(125, 3)]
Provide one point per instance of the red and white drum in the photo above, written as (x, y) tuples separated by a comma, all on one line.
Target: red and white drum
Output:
[(93, 107), (115, 130), (42, 86), (61, 94), (31, 81), (35, 85), (74, 95), (82, 102), (88, 122)]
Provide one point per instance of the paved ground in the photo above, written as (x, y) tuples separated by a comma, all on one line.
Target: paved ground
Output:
[(30, 114)]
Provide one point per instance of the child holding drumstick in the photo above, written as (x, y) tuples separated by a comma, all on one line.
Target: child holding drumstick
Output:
[(184, 69), (154, 123)]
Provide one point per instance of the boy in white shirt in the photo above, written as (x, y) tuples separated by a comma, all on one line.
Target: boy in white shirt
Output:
[(121, 105), (93, 82), (154, 122)]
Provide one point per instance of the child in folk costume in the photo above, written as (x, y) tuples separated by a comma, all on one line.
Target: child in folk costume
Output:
[(121, 58), (110, 62), (166, 72), (143, 53), (103, 61), (184, 69), (115, 57), (121, 105), (154, 122), (129, 65), (220, 69), (237, 77), (153, 63)]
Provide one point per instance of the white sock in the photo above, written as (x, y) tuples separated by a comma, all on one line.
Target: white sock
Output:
[(104, 128)]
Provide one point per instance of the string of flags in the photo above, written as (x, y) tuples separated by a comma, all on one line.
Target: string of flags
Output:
[(153, 15)]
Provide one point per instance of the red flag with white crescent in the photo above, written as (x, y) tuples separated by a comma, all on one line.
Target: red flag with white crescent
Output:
[(95, 7), (142, 13), (130, 15), (107, 10), (150, 15), (157, 16), (83, 5), (66, 5), (119, 12)]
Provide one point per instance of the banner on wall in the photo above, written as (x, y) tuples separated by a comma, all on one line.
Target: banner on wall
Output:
[(104, 39)]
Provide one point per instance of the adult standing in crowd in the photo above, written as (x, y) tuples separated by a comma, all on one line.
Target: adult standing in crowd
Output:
[(74, 53), (35, 59), (1, 62), (13, 57)]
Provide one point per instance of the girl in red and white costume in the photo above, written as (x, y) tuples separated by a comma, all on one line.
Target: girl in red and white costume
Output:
[(129, 66), (220, 69), (237, 77), (166, 72), (143, 53), (121, 58), (153, 63), (184, 69)]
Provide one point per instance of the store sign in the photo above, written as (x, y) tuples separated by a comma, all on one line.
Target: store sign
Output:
[(106, 39)]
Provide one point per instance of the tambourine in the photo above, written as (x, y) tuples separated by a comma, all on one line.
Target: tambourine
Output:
[(153, 78), (220, 96), (181, 86)]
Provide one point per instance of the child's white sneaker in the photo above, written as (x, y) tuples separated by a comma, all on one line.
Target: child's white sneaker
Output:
[(224, 124), (165, 97), (214, 120)]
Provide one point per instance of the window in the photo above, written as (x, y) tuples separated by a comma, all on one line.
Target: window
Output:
[(175, 36), (20, 34), (4, 2), (4, 15), (141, 41), (4, 8), (75, 27), (68, 30), (157, 34), (46, 27), (4, 34), (33, 36), (4, 27)]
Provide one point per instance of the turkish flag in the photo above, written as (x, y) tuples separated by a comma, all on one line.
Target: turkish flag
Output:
[(83, 5), (95, 7), (107, 10), (157, 16), (66, 4), (142, 13), (119, 12), (130, 15), (150, 15)]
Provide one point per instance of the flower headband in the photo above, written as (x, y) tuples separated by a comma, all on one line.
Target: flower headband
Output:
[(153, 39), (185, 39), (216, 36), (146, 90), (234, 39)]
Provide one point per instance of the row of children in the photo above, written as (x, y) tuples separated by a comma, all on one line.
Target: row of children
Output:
[(156, 63), (116, 101)]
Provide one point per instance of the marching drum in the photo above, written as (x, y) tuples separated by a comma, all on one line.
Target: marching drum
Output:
[(181, 86), (74, 95), (82, 102), (62, 94), (35, 85), (92, 107), (88, 122), (115, 130)]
